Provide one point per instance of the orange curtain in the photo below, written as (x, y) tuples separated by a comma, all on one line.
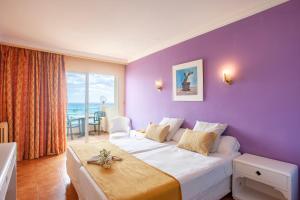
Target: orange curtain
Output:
[(33, 100)]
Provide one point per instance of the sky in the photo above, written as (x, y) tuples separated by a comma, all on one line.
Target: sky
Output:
[(99, 85)]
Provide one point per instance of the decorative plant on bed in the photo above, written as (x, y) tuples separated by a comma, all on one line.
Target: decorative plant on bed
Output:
[(105, 159)]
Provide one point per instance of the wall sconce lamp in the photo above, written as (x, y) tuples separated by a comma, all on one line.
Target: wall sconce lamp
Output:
[(159, 85), (227, 77)]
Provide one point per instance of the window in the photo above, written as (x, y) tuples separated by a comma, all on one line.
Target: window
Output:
[(100, 90), (76, 94)]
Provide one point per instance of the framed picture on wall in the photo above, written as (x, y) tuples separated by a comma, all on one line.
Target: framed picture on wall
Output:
[(188, 81)]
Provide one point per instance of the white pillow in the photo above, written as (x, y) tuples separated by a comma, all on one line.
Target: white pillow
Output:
[(174, 123), (228, 145), (211, 127), (178, 134)]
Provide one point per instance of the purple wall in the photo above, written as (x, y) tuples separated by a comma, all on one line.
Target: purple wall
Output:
[(262, 107)]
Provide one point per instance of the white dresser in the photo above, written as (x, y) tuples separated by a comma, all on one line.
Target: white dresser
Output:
[(259, 178), (8, 171)]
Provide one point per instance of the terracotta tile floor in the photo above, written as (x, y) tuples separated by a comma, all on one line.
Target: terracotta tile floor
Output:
[(44, 179), (47, 179)]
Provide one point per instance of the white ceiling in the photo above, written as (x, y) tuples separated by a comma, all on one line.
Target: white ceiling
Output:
[(116, 30)]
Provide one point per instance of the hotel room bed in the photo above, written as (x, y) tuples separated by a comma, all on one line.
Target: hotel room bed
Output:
[(200, 177), (133, 144)]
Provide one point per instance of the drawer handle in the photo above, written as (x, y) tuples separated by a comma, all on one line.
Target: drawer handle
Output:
[(258, 173)]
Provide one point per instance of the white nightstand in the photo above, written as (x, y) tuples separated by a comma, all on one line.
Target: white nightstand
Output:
[(259, 178)]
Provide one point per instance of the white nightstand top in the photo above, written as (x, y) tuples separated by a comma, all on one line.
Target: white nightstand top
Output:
[(268, 164)]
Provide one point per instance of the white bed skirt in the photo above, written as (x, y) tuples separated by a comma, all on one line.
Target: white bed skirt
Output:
[(217, 191)]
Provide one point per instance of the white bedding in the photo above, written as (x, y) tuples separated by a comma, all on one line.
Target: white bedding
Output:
[(196, 173), (137, 144), (133, 144)]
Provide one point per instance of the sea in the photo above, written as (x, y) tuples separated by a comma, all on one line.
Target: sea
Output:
[(78, 109)]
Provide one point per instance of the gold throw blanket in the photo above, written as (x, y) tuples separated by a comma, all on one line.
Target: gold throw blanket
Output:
[(129, 179)]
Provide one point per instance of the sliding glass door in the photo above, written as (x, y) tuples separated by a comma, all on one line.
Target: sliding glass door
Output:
[(76, 86), (101, 98), (91, 96)]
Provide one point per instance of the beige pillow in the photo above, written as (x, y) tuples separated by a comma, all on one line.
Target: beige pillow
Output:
[(157, 132), (200, 142)]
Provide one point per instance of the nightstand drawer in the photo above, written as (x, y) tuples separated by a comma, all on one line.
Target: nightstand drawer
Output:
[(262, 175)]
